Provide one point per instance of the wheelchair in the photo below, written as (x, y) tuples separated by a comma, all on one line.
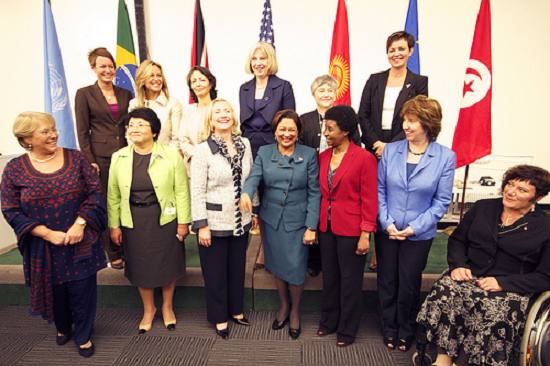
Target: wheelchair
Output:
[(535, 342)]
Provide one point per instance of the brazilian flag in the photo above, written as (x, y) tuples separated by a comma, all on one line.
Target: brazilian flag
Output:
[(125, 54)]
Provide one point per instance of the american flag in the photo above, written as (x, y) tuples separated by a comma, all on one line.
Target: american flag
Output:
[(266, 27)]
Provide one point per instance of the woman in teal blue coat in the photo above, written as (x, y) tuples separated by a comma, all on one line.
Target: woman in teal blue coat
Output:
[(289, 212)]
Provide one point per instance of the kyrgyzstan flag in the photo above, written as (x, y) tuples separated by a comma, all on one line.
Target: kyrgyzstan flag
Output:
[(199, 56), (339, 55), (472, 138)]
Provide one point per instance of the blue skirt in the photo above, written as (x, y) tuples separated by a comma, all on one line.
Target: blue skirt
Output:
[(285, 253)]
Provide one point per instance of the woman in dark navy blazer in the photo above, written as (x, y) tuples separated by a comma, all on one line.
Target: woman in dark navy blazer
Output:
[(348, 215), (386, 92), (415, 184), (263, 96)]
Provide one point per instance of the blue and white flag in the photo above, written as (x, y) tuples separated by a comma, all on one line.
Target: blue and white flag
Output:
[(56, 96), (411, 26), (266, 27)]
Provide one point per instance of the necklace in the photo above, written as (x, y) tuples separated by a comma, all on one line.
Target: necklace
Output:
[(42, 160), (415, 153)]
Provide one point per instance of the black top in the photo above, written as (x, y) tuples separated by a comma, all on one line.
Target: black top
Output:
[(142, 190), (518, 256)]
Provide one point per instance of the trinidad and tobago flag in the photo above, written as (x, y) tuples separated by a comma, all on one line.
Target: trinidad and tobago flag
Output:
[(339, 55), (472, 138), (199, 55)]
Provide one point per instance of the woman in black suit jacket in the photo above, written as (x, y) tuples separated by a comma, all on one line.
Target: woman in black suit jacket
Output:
[(263, 96), (98, 109), (386, 92)]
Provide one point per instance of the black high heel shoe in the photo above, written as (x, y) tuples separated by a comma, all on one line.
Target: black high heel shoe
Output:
[(279, 325), (404, 344), (86, 352), (241, 321), (389, 342), (62, 339), (294, 333), (223, 333)]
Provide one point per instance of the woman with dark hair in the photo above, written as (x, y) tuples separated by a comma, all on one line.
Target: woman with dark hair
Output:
[(386, 92), (348, 217), (202, 87), (415, 184), (499, 257), (98, 110), (52, 199), (289, 212), (149, 213)]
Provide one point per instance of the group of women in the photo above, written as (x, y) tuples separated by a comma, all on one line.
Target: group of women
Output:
[(305, 181)]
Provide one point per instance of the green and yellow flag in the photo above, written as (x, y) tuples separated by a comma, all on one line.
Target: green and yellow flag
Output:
[(125, 54)]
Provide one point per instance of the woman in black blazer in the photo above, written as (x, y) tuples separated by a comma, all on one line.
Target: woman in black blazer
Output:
[(98, 110), (386, 92)]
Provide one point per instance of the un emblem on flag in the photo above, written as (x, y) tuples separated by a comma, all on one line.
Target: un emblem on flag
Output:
[(58, 94), (125, 77)]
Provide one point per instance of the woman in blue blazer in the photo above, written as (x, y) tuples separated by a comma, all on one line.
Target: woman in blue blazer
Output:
[(289, 212), (263, 96), (415, 182)]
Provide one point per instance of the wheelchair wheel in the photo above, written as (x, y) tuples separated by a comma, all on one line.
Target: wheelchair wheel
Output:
[(421, 360), (533, 346)]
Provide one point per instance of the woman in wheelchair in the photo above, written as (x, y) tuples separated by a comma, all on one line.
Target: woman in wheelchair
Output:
[(499, 257)]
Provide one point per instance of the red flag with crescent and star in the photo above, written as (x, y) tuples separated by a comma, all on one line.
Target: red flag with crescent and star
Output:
[(472, 137), (339, 55)]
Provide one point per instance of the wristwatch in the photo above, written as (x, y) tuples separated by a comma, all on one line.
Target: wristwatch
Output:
[(80, 221)]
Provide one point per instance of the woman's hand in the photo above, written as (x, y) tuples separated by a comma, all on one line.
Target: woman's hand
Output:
[(404, 234), (116, 236), (309, 236), (255, 222), (55, 237), (182, 232), (489, 284), (205, 237), (378, 147), (363, 245), (96, 167), (245, 203), (461, 274), (75, 234)]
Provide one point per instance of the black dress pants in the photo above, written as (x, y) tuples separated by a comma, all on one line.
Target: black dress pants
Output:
[(342, 294), (400, 266), (75, 303), (223, 268)]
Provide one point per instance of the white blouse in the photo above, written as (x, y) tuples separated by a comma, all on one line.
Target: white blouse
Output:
[(388, 109)]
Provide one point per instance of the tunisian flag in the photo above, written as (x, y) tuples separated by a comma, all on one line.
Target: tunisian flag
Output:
[(472, 138), (339, 55)]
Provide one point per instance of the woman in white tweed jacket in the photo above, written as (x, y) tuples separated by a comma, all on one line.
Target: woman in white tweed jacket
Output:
[(219, 169)]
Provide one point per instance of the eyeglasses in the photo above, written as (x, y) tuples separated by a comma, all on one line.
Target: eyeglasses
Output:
[(138, 125)]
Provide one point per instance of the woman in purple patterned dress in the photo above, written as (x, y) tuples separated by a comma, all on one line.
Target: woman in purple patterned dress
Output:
[(51, 198)]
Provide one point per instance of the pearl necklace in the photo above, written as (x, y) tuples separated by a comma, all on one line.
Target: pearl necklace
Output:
[(42, 160)]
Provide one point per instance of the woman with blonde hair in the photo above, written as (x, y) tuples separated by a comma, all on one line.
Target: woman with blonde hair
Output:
[(219, 168), (152, 92)]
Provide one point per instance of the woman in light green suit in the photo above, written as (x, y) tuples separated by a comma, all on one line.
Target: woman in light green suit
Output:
[(149, 213)]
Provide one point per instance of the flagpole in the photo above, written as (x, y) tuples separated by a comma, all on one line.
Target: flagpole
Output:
[(466, 171)]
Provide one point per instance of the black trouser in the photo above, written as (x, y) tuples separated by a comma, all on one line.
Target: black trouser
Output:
[(113, 251), (75, 302), (342, 284), (223, 267), (314, 257), (400, 266)]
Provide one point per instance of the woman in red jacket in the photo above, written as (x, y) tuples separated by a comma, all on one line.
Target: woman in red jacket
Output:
[(349, 206)]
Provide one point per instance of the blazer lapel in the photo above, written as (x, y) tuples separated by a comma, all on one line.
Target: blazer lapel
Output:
[(102, 102), (346, 163), (401, 161), (324, 162), (403, 95), (250, 88), (381, 89), (272, 83), (425, 161)]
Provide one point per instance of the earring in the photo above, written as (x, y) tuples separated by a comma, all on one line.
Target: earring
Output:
[(29, 147)]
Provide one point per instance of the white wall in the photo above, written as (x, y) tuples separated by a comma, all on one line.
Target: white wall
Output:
[(303, 31)]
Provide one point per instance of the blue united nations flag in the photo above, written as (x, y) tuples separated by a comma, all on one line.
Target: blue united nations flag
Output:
[(56, 97)]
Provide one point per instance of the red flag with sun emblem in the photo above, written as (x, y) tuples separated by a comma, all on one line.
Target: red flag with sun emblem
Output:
[(472, 138), (339, 55)]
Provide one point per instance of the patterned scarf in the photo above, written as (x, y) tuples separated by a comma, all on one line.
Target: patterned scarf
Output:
[(236, 170)]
